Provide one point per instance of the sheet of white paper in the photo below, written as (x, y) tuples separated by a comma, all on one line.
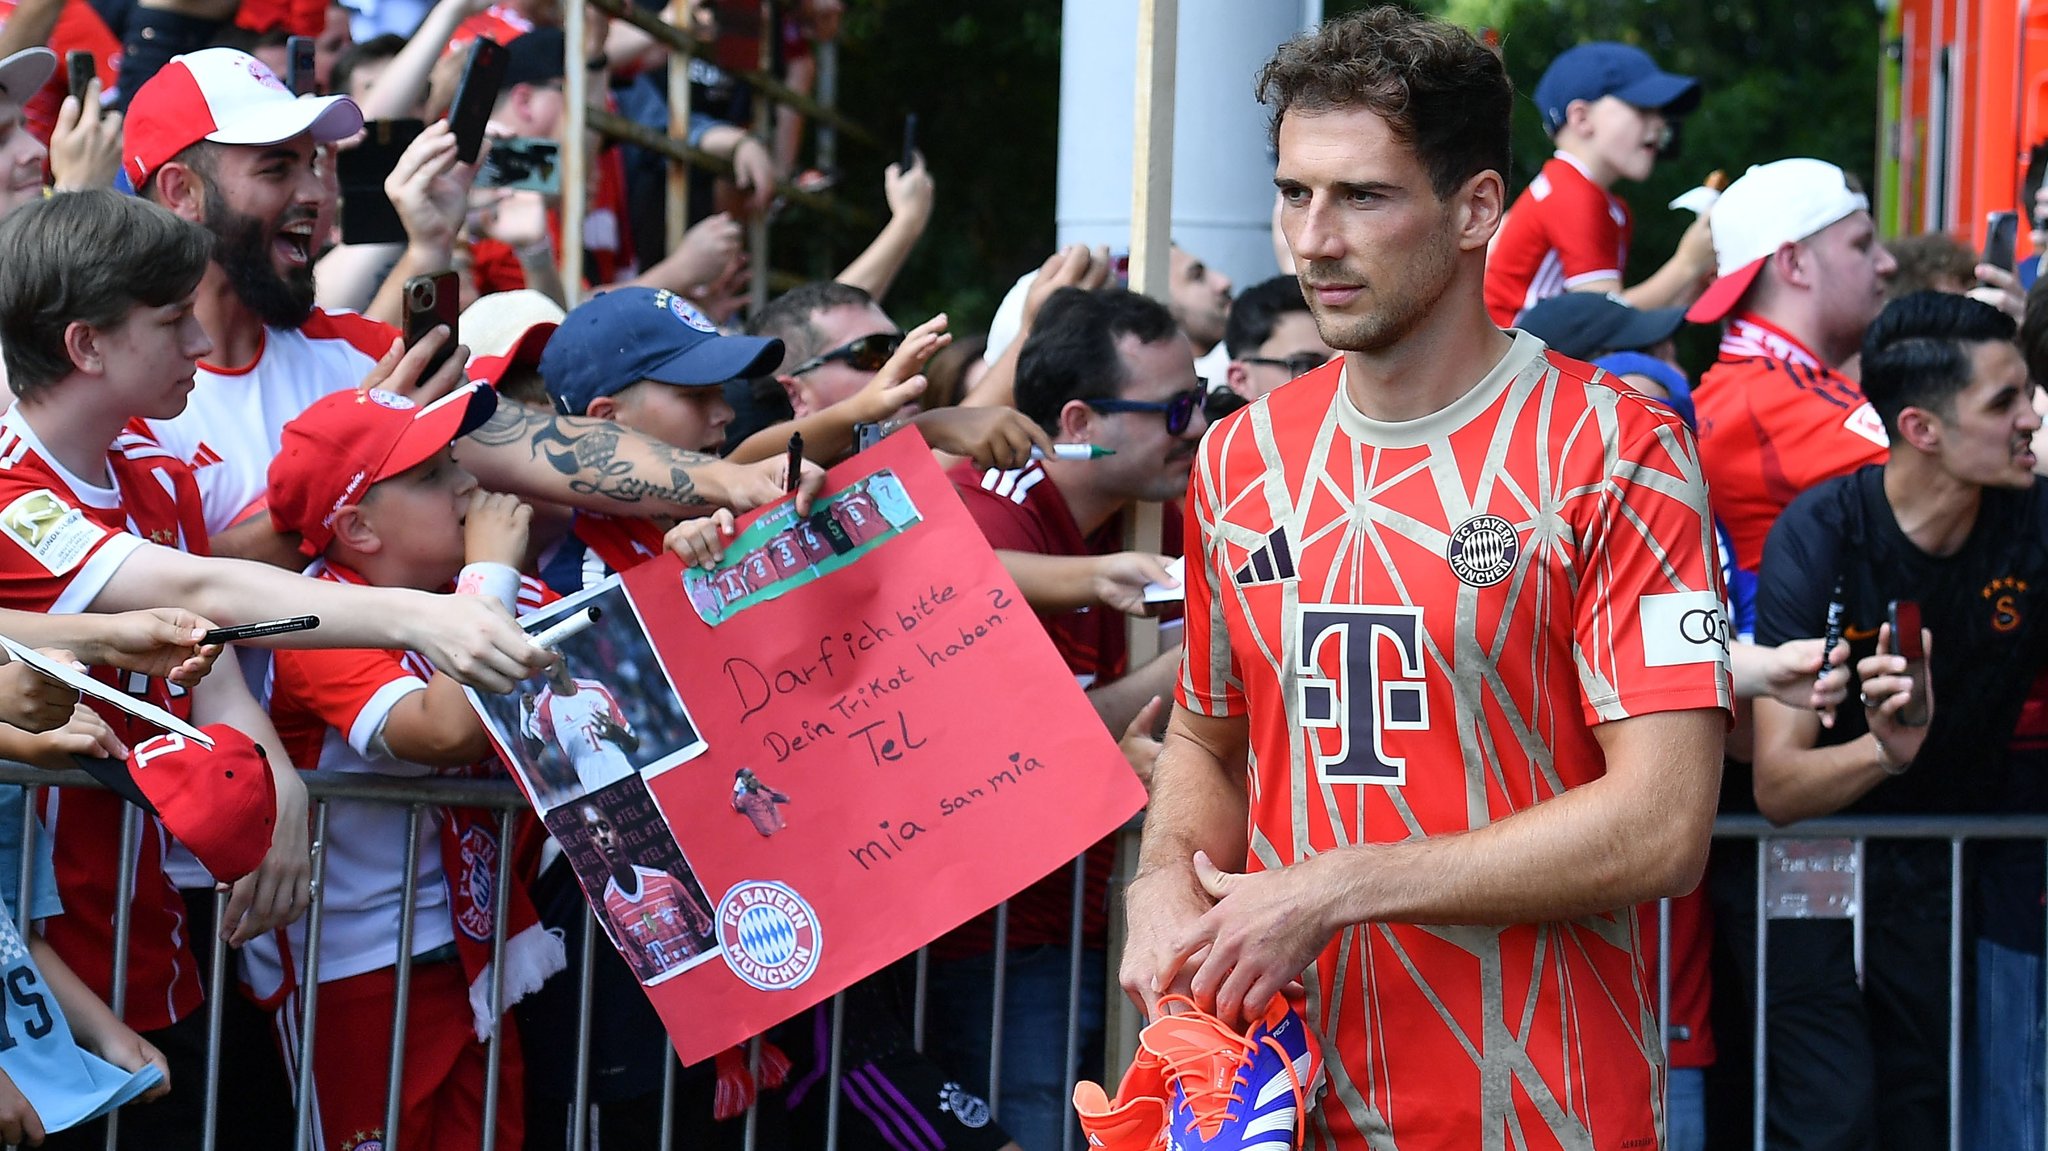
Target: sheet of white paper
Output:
[(1697, 201), (87, 685), (1161, 593)]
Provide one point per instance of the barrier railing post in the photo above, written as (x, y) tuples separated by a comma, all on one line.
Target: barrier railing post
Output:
[(494, 1058), (579, 1123), (1955, 993), (677, 219), (835, 1081), (216, 1003), (999, 964), (309, 990), (25, 880), (1760, 1043), (401, 996), (1072, 1065), (124, 922)]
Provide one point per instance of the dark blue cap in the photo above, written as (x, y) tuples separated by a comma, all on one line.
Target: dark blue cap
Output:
[(613, 341), (1587, 324), (1604, 68)]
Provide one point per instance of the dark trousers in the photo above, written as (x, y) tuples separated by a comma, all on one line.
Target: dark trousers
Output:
[(1849, 1068)]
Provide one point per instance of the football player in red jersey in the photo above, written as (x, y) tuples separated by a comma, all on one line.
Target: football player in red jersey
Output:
[(1455, 654)]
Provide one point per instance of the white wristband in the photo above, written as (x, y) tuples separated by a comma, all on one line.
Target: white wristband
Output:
[(491, 579)]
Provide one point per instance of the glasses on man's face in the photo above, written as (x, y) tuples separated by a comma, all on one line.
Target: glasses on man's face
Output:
[(1179, 408), (866, 354), (1298, 364)]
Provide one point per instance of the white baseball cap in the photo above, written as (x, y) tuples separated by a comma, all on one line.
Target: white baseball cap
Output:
[(1771, 205), (23, 74), (228, 97)]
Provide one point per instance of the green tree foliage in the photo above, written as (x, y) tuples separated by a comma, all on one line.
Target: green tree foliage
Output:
[(984, 81), (1782, 79)]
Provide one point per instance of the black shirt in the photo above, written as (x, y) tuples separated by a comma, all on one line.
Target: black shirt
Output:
[(1986, 607)]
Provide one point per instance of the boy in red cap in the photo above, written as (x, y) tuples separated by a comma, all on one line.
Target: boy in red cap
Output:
[(1609, 109), (97, 331), (371, 485)]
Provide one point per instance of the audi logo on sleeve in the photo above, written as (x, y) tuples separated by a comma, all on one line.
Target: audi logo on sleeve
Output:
[(1683, 627)]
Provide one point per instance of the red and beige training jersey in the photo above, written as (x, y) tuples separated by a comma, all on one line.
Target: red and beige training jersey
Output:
[(61, 539), (1562, 231), (1775, 421), (1422, 623), (234, 420)]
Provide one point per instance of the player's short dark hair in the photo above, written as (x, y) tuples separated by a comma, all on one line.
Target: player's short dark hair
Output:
[(1917, 354), (87, 257), (1441, 91), (1255, 312), (788, 316), (1071, 352)]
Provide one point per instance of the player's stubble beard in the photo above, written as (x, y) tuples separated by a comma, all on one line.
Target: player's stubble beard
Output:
[(241, 246), (1397, 306)]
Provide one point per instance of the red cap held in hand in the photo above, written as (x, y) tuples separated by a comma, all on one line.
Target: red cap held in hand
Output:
[(220, 803)]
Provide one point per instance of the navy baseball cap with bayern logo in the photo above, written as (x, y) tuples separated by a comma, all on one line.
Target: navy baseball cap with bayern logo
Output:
[(613, 341), (1605, 68)]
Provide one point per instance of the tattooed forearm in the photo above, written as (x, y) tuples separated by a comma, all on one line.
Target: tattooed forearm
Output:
[(602, 462)]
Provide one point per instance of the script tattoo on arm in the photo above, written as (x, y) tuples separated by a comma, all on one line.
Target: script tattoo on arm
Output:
[(598, 459)]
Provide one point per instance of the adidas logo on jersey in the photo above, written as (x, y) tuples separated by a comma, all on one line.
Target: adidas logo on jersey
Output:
[(1270, 563)]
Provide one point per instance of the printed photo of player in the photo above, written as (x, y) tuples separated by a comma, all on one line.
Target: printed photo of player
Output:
[(605, 711), (761, 804), (582, 718), (645, 892)]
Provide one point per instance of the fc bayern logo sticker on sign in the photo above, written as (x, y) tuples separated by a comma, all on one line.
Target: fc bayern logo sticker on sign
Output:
[(769, 934), (1483, 550)]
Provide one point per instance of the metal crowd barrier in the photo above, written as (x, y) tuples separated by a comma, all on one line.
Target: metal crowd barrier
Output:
[(419, 794)]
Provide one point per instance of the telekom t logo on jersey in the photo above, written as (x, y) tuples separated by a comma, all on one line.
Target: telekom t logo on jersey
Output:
[(1377, 688)]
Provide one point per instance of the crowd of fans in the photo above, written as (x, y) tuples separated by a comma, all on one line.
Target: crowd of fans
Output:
[(188, 334)]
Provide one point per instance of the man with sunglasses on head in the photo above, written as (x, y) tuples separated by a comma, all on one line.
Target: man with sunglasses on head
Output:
[(1111, 369), (847, 364)]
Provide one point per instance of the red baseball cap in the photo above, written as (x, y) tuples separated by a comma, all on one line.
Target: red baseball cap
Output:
[(524, 350), (219, 802), (333, 451), (227, 97)]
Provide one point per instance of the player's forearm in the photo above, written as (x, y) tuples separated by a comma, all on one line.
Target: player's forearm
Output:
[(1198, 802), (1602, 845), (595, 465), (828, 437)]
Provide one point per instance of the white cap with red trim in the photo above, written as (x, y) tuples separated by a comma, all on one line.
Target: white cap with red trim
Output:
[(1771, 205), (228, 97)]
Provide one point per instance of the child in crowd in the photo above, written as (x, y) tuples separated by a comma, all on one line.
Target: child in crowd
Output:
[(371, 485), (1610, 110)]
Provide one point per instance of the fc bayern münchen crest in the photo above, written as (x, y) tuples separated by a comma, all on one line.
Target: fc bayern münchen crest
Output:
[(1483, 550)]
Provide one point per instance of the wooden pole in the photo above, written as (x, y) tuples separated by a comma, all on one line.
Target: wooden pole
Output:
[(678, 215), (1151, 242), (576, 157)]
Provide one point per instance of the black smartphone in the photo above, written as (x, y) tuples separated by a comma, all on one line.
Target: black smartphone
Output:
[(1906, 640), (432, 302), (2001, 236), (909, 143), (367, 216), (475, 94), (298, 65), (527, 163), (79, 69)]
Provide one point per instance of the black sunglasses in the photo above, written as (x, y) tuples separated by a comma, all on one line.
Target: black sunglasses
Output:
[(1299, 364), (866, 354), (1179, 410)]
